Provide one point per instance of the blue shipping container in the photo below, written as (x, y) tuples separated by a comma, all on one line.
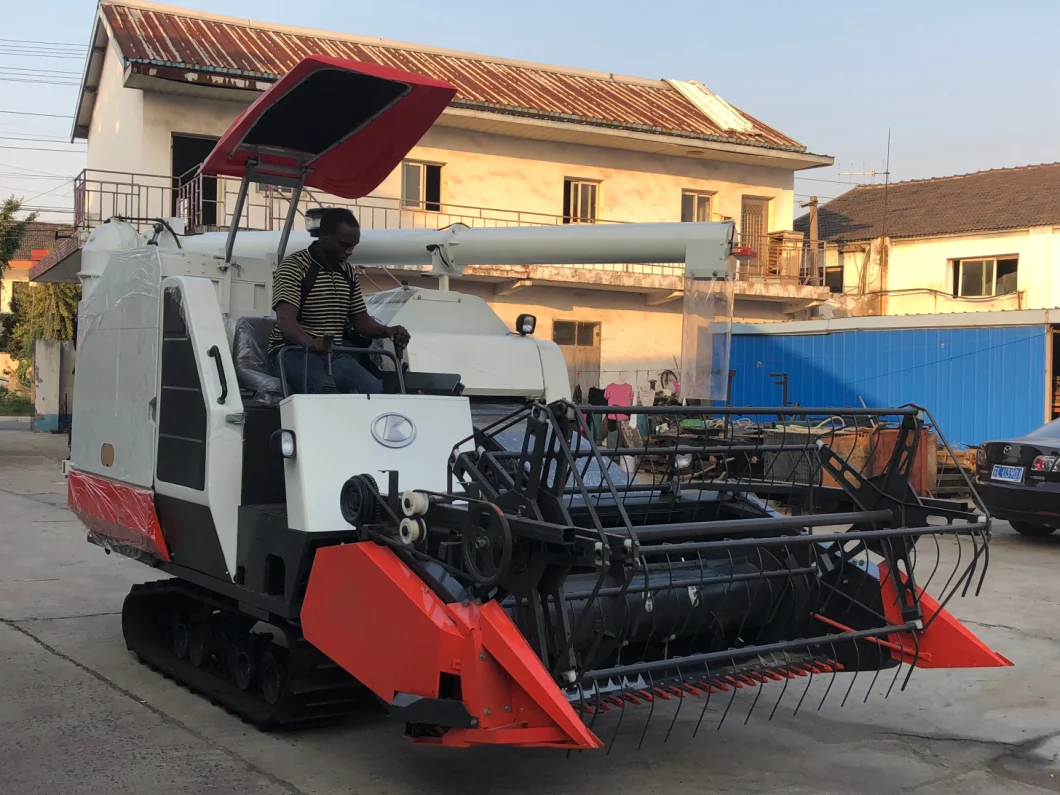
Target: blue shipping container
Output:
[(979, 383)]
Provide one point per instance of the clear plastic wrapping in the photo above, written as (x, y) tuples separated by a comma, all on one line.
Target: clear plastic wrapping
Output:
[(119, 517), (131, 283), (249, 338), (707, 327)]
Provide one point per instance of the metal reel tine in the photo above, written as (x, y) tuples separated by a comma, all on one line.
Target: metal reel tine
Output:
[(831, 681)]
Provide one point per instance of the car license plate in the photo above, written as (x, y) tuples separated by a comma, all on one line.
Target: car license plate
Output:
[(1009, 474)]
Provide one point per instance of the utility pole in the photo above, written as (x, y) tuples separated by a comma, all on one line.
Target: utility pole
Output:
[(812, 204)]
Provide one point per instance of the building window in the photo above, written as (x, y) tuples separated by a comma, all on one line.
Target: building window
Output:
[(695, 206), (421, 186), (833, 278), (567, 332), (580, 344), (984, 278), (580, 197)]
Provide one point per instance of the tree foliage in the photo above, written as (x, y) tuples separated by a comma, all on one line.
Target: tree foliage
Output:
[(12, 230), (45, 312), (38, 311)]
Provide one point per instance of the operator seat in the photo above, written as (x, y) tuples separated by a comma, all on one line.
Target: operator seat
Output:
[(250, 353)]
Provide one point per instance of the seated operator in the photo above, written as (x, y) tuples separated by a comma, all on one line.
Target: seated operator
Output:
[(308, 309)]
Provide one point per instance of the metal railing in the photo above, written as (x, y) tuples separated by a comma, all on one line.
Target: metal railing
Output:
[(207, 204), (99, 195), (785, 258)]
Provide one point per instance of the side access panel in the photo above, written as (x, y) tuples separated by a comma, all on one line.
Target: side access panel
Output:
[(113, 431), (198, 468)]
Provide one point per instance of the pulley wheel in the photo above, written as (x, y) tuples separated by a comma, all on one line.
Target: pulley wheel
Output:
[(487, 544), (357, 500)]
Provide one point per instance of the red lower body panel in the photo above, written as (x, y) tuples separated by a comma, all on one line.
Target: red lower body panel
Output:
[(944, 643), (117, 511), (367, 611)]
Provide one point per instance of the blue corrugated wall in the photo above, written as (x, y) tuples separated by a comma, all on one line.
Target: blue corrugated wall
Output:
[(980, 383)]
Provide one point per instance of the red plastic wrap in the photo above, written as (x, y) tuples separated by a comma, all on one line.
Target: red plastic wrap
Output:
[(117, 513)]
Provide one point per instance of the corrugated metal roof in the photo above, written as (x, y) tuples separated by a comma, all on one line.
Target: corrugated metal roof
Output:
[(979, 383), (178, 38), (986, 201)]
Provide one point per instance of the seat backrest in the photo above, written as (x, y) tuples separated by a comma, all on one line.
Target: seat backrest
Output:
[(250, 352)]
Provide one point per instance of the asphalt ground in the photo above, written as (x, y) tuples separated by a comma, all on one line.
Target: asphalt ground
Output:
[(78, 714)]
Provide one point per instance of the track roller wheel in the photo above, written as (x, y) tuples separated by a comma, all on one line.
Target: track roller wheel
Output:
[(247, 669), (273, 678), (180, 640), (199, 645)]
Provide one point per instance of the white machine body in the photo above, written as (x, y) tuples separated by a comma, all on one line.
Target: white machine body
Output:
[(153, 411), (337, 436)]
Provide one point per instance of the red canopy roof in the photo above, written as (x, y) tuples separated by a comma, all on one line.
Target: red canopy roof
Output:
[(348, 124)]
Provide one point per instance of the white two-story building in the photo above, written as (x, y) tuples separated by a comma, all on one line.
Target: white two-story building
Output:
[(970, 243), (522, 143)]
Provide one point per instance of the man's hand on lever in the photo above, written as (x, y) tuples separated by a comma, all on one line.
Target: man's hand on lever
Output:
[(398, 335)]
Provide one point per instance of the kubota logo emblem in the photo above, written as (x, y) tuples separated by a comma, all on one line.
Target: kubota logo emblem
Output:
[(393, 430)]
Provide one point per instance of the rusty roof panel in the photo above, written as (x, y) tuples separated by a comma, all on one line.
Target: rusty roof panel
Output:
[(177, 38)]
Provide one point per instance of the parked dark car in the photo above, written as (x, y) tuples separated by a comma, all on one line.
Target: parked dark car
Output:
[(1019, 480)]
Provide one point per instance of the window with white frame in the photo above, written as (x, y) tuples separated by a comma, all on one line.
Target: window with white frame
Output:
[(421, 186), (580, 198), (984, 277), (695, 206)]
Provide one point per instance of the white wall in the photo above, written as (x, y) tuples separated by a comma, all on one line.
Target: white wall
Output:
[(481, 170), (7, 285), (925, 268), (116, 134), (926, 264), (167, 114)]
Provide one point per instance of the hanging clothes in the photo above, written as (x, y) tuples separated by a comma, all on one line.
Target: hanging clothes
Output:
[(597, 421), (619, 394), (577, 396), (645, 397)]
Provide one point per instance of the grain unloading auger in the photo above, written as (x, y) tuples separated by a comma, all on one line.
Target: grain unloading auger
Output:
[(460, 547)]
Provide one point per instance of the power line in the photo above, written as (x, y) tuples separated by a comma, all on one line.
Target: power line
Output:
[(36, 139), (17, 175), (65, 210), (835, 181), (40, 82), (27, 113), (31, 170), (39, 71), (31, 54), (63, 45), (37, 149)]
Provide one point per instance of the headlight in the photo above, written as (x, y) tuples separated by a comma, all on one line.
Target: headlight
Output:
[(525, 324), (282, 442), (980, 456)]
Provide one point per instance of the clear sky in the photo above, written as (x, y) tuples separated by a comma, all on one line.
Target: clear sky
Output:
[(963, 86)]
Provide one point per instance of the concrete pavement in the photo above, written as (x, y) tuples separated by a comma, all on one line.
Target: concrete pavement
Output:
[(78, 714)]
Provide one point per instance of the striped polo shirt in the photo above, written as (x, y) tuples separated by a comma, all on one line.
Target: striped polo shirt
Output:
[(329, 305)]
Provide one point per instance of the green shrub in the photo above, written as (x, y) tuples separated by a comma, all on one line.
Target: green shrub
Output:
[(13, 404)]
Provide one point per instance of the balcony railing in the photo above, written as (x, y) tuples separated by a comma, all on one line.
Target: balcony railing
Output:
[(207, 204)]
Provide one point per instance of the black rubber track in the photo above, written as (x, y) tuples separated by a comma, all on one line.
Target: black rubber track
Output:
[(315, 690)]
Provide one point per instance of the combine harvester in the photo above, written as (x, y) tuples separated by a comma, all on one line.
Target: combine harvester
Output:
[(459, 546)]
